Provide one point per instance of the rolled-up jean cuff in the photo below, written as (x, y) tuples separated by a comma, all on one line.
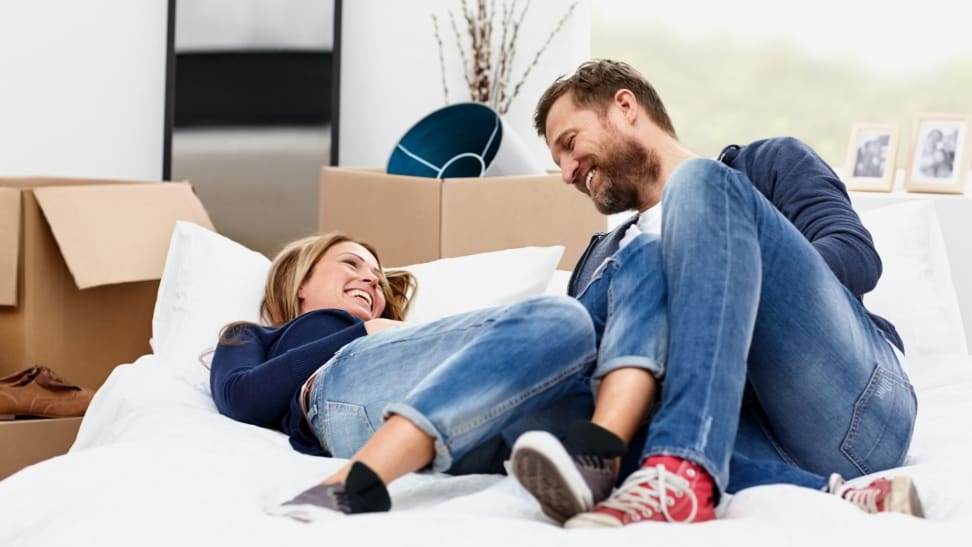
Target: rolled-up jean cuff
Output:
[(443, 456), (632, 361)]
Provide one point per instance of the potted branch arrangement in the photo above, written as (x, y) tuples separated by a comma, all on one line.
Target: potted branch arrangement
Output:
[(488, 67)]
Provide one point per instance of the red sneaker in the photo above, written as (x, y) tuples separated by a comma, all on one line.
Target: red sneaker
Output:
[(896, 495), (666, 489)]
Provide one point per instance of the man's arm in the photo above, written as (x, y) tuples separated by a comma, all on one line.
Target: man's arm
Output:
[(808, 193)]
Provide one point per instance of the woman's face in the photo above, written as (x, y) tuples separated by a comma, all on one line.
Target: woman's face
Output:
[(346, 277)]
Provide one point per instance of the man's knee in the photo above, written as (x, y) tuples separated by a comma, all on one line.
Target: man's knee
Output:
[(696, 177)]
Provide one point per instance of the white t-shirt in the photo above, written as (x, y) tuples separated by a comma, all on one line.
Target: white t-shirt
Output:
[(649, 222)]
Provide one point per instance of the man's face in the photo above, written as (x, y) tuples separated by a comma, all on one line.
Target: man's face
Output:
[(597, 159)]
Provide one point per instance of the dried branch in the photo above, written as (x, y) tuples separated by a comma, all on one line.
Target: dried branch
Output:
[(466, 67), (504, 97), (504, 61), (536, 58), (480, 28), (438, 39), (489, 83)]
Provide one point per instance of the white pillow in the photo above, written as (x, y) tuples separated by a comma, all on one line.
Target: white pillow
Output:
[(208, 281), (454, 285), (915, 291), (558, 283)]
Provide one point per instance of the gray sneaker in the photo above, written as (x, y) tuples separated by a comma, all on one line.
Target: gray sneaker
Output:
[(565, 484), (362, 492)]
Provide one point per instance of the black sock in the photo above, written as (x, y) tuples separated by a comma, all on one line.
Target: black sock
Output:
[(366, 493), (586, 437)]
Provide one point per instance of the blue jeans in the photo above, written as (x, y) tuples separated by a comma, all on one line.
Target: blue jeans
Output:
[(476, 381), (776, 373), (466, 381), (626, 297)]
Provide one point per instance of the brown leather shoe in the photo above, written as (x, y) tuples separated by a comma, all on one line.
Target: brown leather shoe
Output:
[(38, 391)]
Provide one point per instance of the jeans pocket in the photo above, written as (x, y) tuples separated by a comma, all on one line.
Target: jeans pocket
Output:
[(346, 428), (883, 420)]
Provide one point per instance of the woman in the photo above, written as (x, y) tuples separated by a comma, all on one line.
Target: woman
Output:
[(337, 370)]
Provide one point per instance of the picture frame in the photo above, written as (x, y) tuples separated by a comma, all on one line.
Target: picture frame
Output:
[(940, 154), (871, 157)]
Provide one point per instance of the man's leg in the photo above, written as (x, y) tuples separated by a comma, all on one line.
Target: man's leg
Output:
[(756, 300), (732, 263), (628, 291), (711, 265), (824, 384), (828, 390)]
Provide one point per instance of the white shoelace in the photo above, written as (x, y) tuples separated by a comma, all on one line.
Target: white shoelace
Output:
[(865, 498), (653, 488)]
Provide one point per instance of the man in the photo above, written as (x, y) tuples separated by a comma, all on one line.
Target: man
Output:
[(775, 373)]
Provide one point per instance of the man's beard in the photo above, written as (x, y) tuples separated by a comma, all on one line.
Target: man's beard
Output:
[(626, 171)]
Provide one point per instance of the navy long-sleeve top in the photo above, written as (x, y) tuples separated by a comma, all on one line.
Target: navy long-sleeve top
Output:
[(810, 195), (257, 374)]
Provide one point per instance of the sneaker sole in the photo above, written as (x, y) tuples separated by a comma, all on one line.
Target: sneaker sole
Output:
[(904, 498), (593, 520), (545, 469)]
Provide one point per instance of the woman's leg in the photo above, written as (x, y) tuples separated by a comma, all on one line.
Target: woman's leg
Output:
[(398, 447), (459, 381)]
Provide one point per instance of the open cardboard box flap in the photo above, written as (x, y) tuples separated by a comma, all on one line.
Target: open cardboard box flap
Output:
[(9, 244), (117, 233), (81, 263)]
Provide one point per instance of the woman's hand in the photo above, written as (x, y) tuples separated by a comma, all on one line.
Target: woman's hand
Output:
[(380, 323)]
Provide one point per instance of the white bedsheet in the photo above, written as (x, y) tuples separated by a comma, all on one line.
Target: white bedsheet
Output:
[(155, 464)]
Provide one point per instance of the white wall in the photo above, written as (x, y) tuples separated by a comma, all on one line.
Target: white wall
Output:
[(391, 75), (82, 88)]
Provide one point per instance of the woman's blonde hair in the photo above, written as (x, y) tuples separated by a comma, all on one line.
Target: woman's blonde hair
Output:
[(293, 266)]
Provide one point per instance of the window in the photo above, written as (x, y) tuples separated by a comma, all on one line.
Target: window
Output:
[(733, 72)]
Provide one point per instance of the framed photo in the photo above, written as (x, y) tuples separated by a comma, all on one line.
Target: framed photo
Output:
[(871, 157), (940, 154)]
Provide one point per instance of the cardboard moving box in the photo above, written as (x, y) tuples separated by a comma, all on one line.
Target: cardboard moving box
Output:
[(415, 219), (26, 442), (80, 262)]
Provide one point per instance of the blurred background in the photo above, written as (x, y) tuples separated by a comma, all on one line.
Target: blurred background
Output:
[(254, 81), (732, 72)]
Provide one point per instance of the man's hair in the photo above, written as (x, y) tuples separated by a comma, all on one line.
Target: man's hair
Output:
[(593, 86)]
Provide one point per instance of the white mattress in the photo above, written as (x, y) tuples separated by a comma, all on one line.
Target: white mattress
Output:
[(155, 464)]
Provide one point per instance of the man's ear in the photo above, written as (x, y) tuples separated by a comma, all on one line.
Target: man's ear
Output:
[(626, 102)]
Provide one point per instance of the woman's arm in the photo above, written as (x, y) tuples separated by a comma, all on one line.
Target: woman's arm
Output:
[(254, 379)]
